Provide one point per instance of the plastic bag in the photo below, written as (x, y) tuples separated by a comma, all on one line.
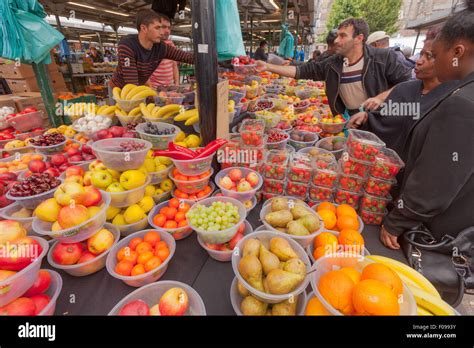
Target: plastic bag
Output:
[(229, 40), (287, 44)]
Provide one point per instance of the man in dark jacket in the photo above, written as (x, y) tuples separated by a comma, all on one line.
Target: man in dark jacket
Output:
[(260, 53), (356, 76)]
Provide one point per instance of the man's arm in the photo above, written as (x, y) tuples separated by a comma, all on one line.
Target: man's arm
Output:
[(126, 59), (176, 73), (374, 103), (311, 70), (395, 70), (175, 54), (288, 71)]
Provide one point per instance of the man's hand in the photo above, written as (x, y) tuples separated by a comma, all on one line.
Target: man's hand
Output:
[(389, 240), (357, 120), (261, 66), (286, 62), (372, 103)]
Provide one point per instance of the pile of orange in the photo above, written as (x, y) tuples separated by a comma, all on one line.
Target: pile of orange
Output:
[(374, 291), (338, 218), (177, 175), (194, 196), (142, 255), (19, 164), (173, 215), (348, 241), (187, 181)]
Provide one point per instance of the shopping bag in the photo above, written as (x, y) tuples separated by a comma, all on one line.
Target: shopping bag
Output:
[(229, 40), (287, 44)]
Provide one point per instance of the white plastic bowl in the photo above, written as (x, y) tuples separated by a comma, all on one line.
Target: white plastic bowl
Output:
[(240, 196), (129, 105), (126, 230), (127, 198), (77, 233), (6, 213), (51, 149), (253, 199), (145, 278), (336, 153), (107, 150), (265, 237), (361, 223), (236, 299), (334, 262), (219, 237), (162, 197), (213, 187), (88, 267), (194, 166), (220, 255), (310, 248), (158, 142), (53, 292), (177, 233), (158, 177), (191, 187), (304, 241), (152, 293), (16, 285)]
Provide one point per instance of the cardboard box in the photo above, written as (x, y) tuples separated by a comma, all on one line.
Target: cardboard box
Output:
[(23, 85), (7, 100), (11, 71)]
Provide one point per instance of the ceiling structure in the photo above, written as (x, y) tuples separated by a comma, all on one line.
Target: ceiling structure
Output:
[(266, 16)]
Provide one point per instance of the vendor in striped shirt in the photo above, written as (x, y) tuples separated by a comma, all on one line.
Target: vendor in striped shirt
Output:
[(140, 55), (167, 73)]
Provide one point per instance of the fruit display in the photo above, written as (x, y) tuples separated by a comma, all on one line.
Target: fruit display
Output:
[(330, 124), (275, 164), (230, 245), (239, 183), (300, 168), (276, 187), (271, 268), (293, 218), (34, 185), (171, 215), (191, 184), (349, 242), (296, 189), (301, 139), (252, 132), (141, 255), (277, 140), (352, 166), (352, 183), (157, 133), (91, 124), (379, 187), (39, 299), (373, 203), (338, 217), (387, 165), (363, 145), (48, 140), (218, 216), (334, 144), (346, 197), (19, 163), (320, 193)]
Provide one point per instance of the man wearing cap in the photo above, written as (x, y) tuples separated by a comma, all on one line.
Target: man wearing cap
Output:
[(358, 76), (380, 39)]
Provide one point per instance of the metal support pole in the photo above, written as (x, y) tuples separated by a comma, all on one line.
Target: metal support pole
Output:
[(46, 93), (251, 35), (68, 58), (296, 38), (416, 42), (205, 62)]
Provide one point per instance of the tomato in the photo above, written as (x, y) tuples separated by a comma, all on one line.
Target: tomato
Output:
[(159, 220), (183, 223), (180, 216), (184, 207), (130, 256), (163, 253), (138, 269), (144, 257), (134, 242), (143, 247), (170, 224), (124, 268), (152, 237), (152, 263), (170, 213), (173, 203), (161, 245)]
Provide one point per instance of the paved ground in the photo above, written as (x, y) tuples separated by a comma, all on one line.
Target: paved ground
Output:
[(467, 305)]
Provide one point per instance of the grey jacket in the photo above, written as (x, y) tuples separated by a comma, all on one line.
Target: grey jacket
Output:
[(382, 70)]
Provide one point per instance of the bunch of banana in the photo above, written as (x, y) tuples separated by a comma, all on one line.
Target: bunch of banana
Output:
[(427, 298), (133, 92), (167, 111), (105, 110), (189, 117)]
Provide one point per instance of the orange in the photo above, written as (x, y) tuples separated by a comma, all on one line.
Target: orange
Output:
[(193, 178), (137, 270), (201, 194), (174, 203), (382, 273), (207, 189), (322, 251), (159, 220), (315, 307), (130, 256), (144, 257), (329, 218), (152, 238), (170, 224), (372, 297), (180, 194), (160, 245), (352, 273), (134, 242), (193, 197), (152, 263), (327, 206), (347, 222), (181, 177), (351, 237), (184, 207), (345, 210), (121, 253), (143, 247), (183, 223), (124, 268), (324, 238), (336, 288), (162, 253), (170, 213), (180, 216)]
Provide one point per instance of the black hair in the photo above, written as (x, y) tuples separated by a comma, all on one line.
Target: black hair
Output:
[(360, 27), (331, 37), (318, 53), (459, 26), (432, 33), (146, 17), (263, 43)]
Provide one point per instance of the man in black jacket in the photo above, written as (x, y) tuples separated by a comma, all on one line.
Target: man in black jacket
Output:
[(356, 76)]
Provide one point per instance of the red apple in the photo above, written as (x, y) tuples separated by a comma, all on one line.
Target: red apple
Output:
[(63, 167), (86, 149), (88, 157), (137, 307), (57, 160), (20, 254), (86, 256), (48, 165), (20, 306), (9, 176), (67, 254), (174, 302), (40, 301), (129, 135), (73, 152), (40, 285), (37, 166), (53, 172), (74, 170), (76, 158), (103, 134), (253, 179), (116, 131), (93, 196), (235, 174)]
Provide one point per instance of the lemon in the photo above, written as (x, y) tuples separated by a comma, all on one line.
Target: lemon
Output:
[(133, 213), (192, 141), (150, 190), (119, 220), (146, 204), (180, 137), (181, 143), (111, 213)]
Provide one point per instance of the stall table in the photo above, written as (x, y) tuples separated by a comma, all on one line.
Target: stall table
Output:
[(97, 294)]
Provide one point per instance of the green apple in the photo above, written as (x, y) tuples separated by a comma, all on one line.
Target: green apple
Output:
[(115, 174), (115, 187), (101, 179), (68, 192), (132, 179)]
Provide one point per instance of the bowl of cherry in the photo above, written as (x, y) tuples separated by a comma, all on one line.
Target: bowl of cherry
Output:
[(30, 192), (49, 144)]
